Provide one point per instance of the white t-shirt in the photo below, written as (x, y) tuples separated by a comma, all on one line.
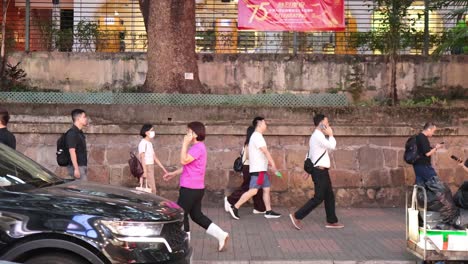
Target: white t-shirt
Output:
[(257, 160), (146, 147)]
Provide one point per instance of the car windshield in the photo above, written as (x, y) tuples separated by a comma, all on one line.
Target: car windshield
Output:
[(20, 173)]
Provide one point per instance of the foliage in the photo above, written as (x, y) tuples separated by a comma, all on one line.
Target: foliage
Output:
[(48, 31), (64, 39), (375, 40), (205, 40), (431, 101), (14, 73), (138, 40), (354, 82), (373, 102), (430, 88), (52, 37), (10, 41), (454, 40), (429, 93), (87, 34), (15, 79), (394, 23), (458, 13), (247, 40), (132, 89)]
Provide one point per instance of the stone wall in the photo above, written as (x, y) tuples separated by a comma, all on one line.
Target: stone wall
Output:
[(243, 73), (367, 167)]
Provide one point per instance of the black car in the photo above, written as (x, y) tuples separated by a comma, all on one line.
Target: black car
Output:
[(45, 219)]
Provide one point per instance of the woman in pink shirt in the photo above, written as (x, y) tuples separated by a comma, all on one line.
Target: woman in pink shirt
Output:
[(192, 182)]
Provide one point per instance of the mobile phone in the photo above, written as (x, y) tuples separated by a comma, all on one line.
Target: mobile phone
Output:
[(322, 126)]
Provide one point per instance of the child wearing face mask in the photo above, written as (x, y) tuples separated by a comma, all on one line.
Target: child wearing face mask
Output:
[(148, 157)]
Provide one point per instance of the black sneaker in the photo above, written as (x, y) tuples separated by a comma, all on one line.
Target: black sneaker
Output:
[(272, 214), (234, 212)]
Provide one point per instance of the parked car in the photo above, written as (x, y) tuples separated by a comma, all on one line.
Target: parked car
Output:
[(45, 219)]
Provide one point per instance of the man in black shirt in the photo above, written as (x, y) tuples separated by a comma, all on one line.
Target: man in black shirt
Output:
[(76, 144), (423, 166), (6, 137)]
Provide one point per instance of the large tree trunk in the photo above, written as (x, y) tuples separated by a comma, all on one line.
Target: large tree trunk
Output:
[(144, 8), (5, 4), (172, 61)]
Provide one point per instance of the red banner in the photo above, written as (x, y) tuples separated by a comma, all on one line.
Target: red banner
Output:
[(291, 15)]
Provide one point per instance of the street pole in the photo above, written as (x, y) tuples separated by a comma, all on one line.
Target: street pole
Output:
[(426, 28), (295, 43), (27, 26), (55, 23)]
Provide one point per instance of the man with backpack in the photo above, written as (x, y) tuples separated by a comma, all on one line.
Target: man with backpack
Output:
[(422, 165), (75, 141)]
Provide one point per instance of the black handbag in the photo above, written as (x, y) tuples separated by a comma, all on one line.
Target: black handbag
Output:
[(136, 168), (238, 164), (309, 165)]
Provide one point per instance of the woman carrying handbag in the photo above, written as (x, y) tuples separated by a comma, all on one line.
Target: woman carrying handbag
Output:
[(259, 205)]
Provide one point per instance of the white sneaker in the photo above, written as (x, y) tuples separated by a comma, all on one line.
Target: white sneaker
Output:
[(227, 205), (222, 237), (258, 212)]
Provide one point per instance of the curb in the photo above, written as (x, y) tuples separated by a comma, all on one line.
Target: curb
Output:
[(306, 262)]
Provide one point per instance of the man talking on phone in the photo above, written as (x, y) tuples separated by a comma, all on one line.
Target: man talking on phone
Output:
[(321, 141), (423, 166)]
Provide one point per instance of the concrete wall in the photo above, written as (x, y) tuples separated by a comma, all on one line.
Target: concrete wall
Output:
[(245, 74), (367, 167)]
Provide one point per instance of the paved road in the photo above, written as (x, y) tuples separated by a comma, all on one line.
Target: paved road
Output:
[(369, 236)]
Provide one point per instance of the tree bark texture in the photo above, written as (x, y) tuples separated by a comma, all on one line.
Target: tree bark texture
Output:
[(144, 8), (5, 4), (172, 61)]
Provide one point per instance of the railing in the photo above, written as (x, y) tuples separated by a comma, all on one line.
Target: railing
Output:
[(117, 26), (265, 100)]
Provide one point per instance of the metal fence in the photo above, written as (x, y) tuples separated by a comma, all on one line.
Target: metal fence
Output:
[(117, 26), (263, 100)]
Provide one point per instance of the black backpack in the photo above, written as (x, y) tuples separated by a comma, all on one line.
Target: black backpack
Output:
[(411, 150), (63, 155)]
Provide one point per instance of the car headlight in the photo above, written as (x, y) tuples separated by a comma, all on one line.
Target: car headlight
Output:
[(133, 229)]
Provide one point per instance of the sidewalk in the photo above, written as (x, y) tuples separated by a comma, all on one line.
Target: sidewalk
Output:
[(369, 236)]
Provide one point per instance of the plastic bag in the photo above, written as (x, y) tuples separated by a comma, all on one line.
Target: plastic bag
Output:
[(461, 196), (463, 219), (439, 199)]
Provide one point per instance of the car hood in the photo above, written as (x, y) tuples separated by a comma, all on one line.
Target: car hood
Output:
[(106, 201)]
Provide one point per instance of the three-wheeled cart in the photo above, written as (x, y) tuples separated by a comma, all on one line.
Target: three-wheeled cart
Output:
[(431, 245)]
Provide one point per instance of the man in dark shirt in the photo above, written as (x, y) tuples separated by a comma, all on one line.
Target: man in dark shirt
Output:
[(76, 144), (6, 137), (423, 166)]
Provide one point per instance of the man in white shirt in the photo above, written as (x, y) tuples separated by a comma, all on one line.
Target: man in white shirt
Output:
[(259, 156), (319, 146)]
